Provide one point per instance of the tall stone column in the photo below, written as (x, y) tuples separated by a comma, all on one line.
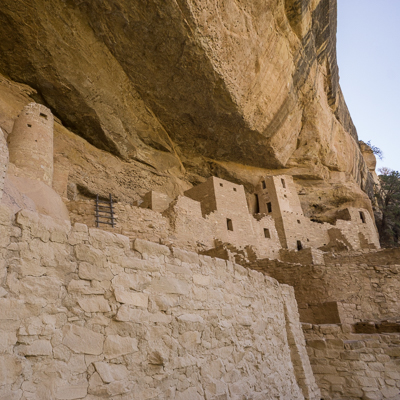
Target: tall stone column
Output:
[(3, 161), (30, 143)]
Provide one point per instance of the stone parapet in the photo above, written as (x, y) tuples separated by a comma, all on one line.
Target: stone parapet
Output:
[(139, 320)]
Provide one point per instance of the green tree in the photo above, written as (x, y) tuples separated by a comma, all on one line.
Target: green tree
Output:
[(388, 200)]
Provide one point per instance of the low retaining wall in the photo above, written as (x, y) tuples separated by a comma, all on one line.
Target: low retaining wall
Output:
[(354, 366), (85, 316)]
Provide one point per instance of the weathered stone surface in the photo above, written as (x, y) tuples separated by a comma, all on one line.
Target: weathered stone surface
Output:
[(132, 298), (111, 372), (115, 346), (82, 340), (94, 304)]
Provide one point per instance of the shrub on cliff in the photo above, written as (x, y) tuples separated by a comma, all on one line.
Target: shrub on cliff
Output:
[(388, 200)]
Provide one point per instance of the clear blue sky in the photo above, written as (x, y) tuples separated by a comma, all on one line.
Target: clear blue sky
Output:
[(368, 47)]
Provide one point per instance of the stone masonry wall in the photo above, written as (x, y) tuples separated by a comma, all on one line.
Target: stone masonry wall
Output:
[(31, 143), (363, 292), (3, 161), (354, 366), (85, 316)]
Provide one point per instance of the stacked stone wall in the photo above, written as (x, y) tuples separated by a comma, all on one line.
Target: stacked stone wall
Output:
[(354, 366), (361, 291), (88, 315), (31, 143), (3, 162)]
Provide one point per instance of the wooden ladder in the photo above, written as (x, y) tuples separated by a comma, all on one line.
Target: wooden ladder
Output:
[(104, 210)]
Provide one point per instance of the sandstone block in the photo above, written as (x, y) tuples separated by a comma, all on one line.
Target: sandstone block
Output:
[(7, 342), (186, 256), (189, 394), (170, 286), (94, 304), (10, 369), (142, 265), (150, 248), (393, 351), (83, 287), (190, 339), (132, 298), (111, 372), (37, 348), (94, 272), (102, 239), (5, 215), (115, 346), (364, 381), (82, 340), (190, 318), (324, 369), (334, 379), (390, 392), (202, 280), (71, 392), (89, 254)]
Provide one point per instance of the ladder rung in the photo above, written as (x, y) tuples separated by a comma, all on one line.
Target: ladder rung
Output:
[(106, 212), (107, 223), (103, 201)]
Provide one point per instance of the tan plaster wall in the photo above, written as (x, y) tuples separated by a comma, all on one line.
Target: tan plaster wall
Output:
[(31, 143), (85, 316)]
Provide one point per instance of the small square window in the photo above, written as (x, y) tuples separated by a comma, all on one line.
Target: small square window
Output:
[(229, 224), (29, 125), (267, 233), (298, 221), (221, 185), (234, 189), (43, 115)]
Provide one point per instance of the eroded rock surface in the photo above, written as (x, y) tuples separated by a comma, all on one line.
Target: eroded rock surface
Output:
[(188, 89)]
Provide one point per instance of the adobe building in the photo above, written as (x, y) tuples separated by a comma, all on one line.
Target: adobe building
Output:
[(30, 143)]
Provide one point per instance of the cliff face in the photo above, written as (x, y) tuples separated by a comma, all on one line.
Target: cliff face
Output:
[(180, 90)]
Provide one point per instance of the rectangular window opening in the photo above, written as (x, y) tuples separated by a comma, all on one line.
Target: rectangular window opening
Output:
[(362, 216), (299, 245), (43, 115), (298, 221), (234, 189), (264, 185), (29, 125), (221, 185), (269, 207), (283, 183), (229, 224), (257, 207), (267, 233)]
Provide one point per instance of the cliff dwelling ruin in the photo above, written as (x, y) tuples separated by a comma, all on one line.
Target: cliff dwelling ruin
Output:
[(243, 259)]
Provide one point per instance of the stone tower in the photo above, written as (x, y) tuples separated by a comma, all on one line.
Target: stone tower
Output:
[(3, 161), (31, 143)]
